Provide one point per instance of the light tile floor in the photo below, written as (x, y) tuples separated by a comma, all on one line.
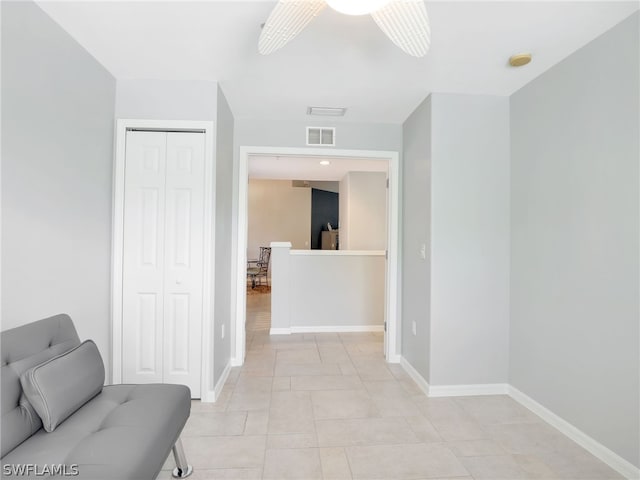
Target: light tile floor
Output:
[(327, 406)]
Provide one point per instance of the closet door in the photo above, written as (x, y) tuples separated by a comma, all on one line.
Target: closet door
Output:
[(184, 262), (143, 257), (163, 258)]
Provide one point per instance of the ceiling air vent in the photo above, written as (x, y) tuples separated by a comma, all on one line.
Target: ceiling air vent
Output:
[(327, 111), (321, 136)]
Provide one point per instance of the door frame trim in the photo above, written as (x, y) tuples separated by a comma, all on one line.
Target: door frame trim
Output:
[(121, 127), (392, 287)]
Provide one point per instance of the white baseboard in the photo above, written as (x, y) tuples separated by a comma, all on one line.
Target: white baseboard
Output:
[(327, 329), (394, 359), (452, 390), (468, 390), (338, 329), (236, 362), (212, 396), (208, 397), (280, 331), (615, 461), (413, 373)]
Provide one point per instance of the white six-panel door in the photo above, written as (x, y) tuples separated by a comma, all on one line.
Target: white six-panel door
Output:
[(162, 295), (183, 266)]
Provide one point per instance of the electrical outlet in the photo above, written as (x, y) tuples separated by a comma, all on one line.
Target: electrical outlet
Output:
[(414, 327), (423, 251), (222, 333)]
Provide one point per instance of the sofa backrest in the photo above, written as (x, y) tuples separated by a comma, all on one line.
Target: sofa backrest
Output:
[(22, 348)]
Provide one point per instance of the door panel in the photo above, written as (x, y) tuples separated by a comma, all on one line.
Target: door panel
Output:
[(184, 260), (182, 229), (149, 218), (179, 332), (146, 321), (143, 266)]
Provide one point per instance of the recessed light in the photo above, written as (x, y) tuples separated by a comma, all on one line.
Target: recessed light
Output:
[(325, 163), (520, 59), (327, 111)]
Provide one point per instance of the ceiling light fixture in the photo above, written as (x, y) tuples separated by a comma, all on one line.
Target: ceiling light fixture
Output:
[(325, 163), (405, 22), (327, 111), (520, 59), (357, 7)]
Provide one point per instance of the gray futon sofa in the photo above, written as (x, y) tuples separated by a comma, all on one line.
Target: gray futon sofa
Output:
[(57, 418)]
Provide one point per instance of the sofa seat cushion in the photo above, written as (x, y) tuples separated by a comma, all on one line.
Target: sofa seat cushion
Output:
[(126, 432)]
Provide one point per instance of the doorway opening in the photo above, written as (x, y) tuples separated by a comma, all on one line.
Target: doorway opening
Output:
[(303, 172)]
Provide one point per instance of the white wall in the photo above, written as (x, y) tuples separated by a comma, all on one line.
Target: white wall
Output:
[(223, 260), (278, 212), (469, 239), (416, 232), (343, 213), (337, 290), (323, 290), (364, 204), (57, 154), (280, 287), (575, 222)]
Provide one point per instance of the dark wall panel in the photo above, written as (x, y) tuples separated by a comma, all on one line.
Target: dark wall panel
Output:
[(324, 209)]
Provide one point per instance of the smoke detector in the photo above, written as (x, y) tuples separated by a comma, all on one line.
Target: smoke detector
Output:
[(520, 59)]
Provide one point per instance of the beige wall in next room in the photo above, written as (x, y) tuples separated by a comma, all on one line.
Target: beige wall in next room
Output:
[(278, 212)]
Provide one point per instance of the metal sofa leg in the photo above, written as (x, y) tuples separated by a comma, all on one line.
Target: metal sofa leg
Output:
[(183, 469)]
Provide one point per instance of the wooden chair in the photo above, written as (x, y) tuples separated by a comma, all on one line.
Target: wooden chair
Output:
[(262, 267)]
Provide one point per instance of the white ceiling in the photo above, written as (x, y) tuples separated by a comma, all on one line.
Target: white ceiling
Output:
[(308, 168), (338, 60)]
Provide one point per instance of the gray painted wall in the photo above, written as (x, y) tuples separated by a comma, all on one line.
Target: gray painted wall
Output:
[(416, 230), (365, 136), (575, 221), (224, 199), (469, 239), (57, 147), (166, 99)]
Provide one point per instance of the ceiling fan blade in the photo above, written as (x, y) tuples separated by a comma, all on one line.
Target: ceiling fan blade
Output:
[(406, 23), (286, 21)]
